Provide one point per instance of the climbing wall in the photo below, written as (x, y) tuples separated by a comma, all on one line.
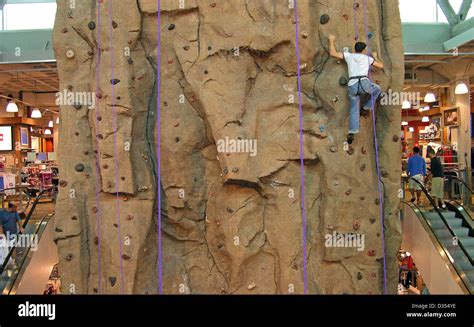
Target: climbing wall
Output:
[(231, 221)]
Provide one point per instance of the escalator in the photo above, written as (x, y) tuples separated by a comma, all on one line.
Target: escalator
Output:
[(442, 243), (34, 260)]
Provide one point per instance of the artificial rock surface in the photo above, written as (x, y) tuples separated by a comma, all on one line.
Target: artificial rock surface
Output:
[(231, 222)]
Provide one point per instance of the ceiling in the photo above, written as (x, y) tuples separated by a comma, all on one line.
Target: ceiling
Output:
[(36, 77)]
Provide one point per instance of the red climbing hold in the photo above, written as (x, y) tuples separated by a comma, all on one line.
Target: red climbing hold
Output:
[(371, 253)]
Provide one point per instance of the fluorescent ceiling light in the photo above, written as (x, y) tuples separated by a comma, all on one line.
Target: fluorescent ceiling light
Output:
[(47, 132), (425, 119)]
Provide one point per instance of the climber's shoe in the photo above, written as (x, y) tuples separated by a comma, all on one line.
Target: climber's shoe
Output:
[(365, 113), (350, 138)]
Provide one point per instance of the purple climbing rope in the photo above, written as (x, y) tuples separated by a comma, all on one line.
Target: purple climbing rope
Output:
[(377, 161), (303, 207), (97, 160), (114, 126), (158, 151)]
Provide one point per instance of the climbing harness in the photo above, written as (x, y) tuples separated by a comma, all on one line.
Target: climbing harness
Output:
[(359, 84)]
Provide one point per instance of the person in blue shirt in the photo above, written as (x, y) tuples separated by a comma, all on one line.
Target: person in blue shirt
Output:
[(10, 223), (416, 170)]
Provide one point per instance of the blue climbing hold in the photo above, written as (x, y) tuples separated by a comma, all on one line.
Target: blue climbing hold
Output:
[(370, 35)]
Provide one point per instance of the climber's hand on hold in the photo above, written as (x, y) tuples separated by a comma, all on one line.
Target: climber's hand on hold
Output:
[(332, 48), (377, 63)]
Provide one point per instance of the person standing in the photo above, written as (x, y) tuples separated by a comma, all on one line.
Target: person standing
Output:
[(437, 183), (10, 224), (416, 171), (359, 85)]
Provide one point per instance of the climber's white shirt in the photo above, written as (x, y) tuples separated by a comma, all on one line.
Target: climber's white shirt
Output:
[(358, 64)]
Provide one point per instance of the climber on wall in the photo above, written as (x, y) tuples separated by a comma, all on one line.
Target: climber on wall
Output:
[(358, 64)]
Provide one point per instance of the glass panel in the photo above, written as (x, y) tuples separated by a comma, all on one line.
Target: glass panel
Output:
[(422, 11), (29, 16)]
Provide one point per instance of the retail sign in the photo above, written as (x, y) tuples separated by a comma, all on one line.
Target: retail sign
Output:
[(6, 140)]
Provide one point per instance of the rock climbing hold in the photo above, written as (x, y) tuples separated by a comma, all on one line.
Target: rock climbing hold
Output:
[(206, 72), (384, 173), (125, 257), (94, 209), (324, 19), (335, 99), (364, 150), (322, 129), (76, 133), (112, 281), (371, 253), (114, 81), (70, 54), (58, 230), (186, 48), (304, 34), (372, 220), (356, 225), (74, 218), (370, 35), (350, 151), (64, 30), (396, 138), (333, 148), (235, 170), (69, 257), (143, 188), (343, 81), (230, 210), (115, 225), (362, 167), (251, 286), (114, 24), (213, 4), (377, 201), (105, 166), (122, 178), (90, 53), (177, 139), (362, 198), (348, 192), (63, 183), (99, 118), (225, 170), (356, 6), (345, 16), (170, 61), (77, 106), (130, 217), (79, 168), (91, 26), (96, 240), (171, 27), (373, 274), (165, 104), (359, 275), (209, 48), (130, 60), (125, 198)]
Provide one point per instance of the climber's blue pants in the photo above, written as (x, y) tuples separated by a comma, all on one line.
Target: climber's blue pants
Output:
[(357, 90)]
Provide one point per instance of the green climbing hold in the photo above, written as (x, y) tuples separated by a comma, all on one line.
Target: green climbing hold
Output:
[(79, 168), (324, 19), (343, 81), (91, 26), (171, 27)]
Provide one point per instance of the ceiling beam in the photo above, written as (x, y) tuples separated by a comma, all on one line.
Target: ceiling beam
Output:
[(448, 11), (464, 10)]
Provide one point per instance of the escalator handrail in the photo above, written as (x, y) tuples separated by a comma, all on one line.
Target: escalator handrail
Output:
[(27, 219), (462, 181), (435, 207), (37, 232), (463, 281)]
